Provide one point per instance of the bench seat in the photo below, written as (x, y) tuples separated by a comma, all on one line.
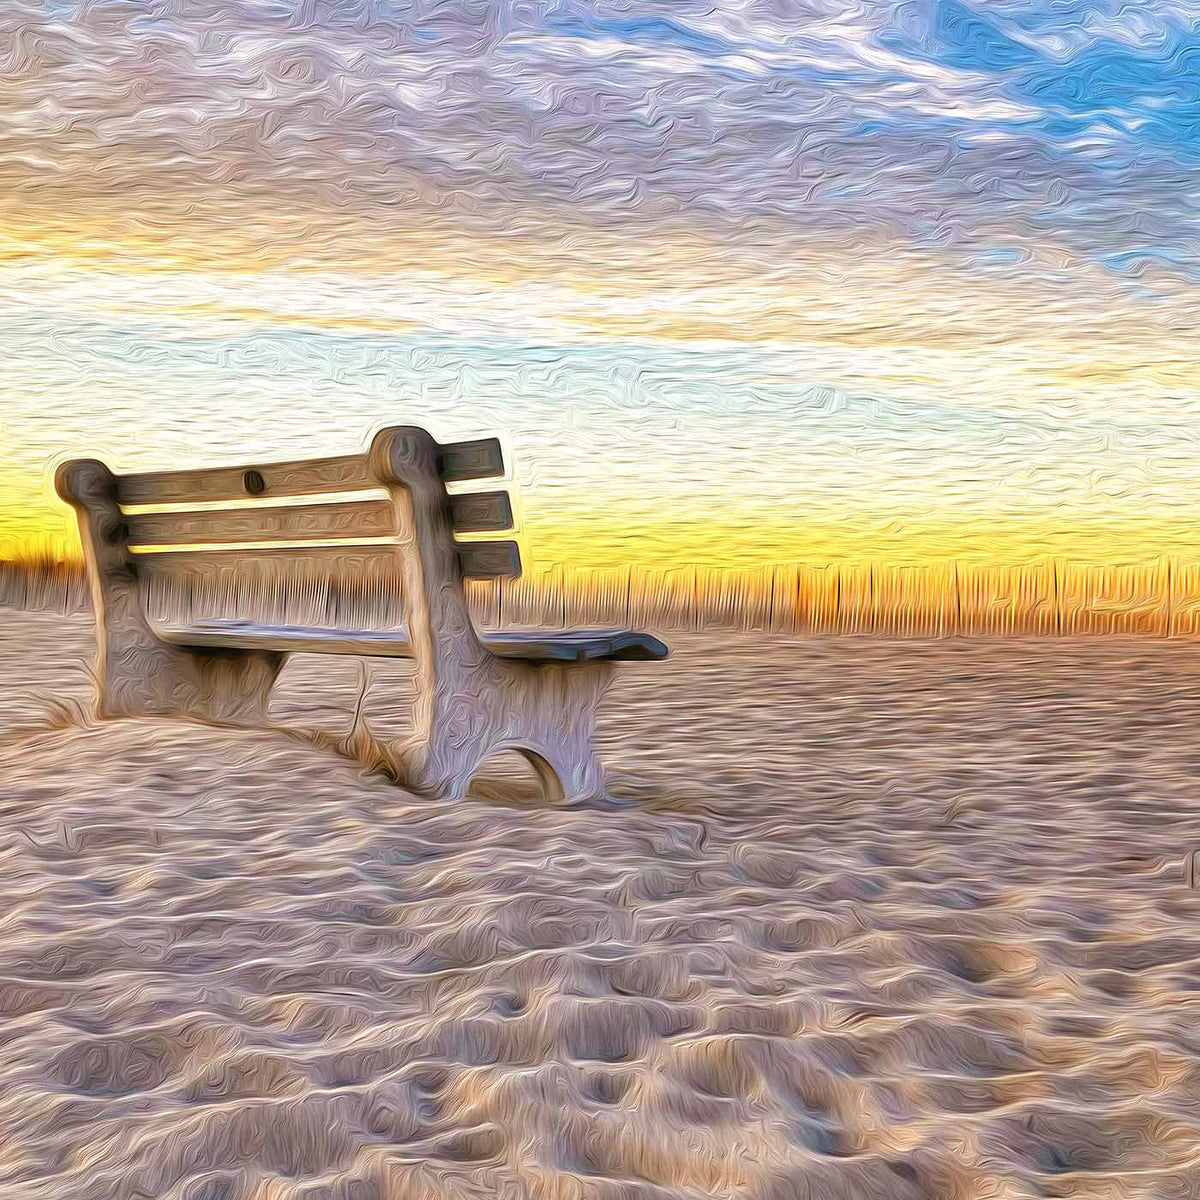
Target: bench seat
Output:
[(615, 645)]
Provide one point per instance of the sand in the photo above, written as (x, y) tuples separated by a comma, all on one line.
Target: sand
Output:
[(879, 919)]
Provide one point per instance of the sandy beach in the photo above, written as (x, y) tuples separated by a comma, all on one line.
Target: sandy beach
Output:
[(878, 919)]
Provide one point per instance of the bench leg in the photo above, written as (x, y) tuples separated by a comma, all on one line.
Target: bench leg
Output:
[(546, 711), (232, 687), (136, 673), (572, 774), (146, 677)]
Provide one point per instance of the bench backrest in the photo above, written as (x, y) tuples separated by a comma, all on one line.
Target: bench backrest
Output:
[(343, 518)]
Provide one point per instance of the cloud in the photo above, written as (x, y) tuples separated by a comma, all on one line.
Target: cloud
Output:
[(952, 125)]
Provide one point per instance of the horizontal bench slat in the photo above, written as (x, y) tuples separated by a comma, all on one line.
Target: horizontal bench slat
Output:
[(481, 512), (617, 644), (538, 645), (299, 522), (319, 560), (489, 560), (480, 560), (478, 459), (313, 476), (237, 635), (457, 462)]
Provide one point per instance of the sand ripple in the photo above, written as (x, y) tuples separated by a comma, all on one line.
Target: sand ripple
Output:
[(905, 922)]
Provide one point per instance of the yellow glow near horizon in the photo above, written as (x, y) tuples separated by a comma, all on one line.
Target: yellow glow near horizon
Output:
[(929, 481), (691, 540)]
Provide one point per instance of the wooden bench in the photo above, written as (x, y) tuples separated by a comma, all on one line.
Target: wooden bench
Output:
[(478, 693)]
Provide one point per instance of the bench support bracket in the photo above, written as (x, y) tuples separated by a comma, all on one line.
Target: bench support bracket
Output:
[(546, 711), (137, 674)]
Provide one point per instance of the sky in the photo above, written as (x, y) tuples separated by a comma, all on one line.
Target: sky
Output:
[(737, 283)]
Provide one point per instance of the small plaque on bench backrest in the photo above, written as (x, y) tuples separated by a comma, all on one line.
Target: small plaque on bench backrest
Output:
[(489, 560), (480, 459), (481, 512)]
